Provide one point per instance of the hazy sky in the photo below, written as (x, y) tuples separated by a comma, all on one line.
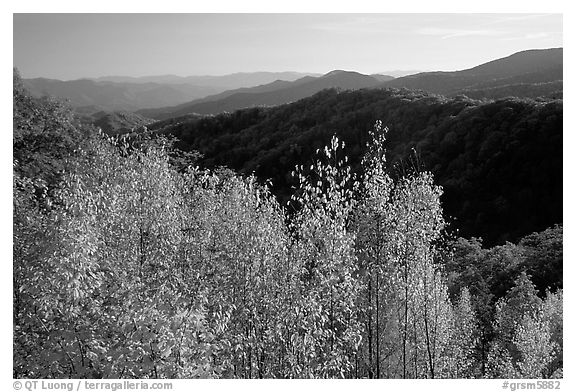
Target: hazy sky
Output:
[(70, 46)]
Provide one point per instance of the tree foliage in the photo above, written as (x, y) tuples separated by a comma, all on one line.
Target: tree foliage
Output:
[(527, 332)]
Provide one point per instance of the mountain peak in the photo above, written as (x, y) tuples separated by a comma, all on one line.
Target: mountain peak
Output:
[(336, 72)]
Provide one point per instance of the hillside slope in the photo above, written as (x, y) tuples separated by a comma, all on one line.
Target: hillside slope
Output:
[(500, 162), (116, 122)]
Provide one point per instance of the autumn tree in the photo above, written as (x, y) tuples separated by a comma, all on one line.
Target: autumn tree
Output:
[(462, 359), (525, 345), (327, 332), (406, 311)]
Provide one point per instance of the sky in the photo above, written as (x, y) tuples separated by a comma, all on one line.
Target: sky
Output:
[(71, 46)]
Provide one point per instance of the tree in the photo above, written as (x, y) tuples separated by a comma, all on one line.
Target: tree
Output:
[(408, 311), (327, 332), (524, 346), (462, 354)]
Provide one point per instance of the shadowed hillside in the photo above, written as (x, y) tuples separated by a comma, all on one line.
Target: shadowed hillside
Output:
[(500, 162)]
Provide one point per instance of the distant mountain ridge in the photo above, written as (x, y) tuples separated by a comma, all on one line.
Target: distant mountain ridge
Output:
[(225, 82), (121, 93), (110, 96), (530, 66), (398, 73), (529, 74), (273, 94)]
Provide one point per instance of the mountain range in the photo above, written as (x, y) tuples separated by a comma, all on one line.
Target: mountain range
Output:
[(531, 66), (223, 82), (121, 93), (89, 96), (527, 74), (276, 93)]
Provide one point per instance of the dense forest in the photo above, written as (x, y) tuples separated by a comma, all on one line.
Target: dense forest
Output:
[(499, 162), (130, 261)]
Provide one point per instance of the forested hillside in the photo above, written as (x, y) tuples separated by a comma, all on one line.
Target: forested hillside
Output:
[(500, 162), (116, 122), (552, 90), (129, 263)]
